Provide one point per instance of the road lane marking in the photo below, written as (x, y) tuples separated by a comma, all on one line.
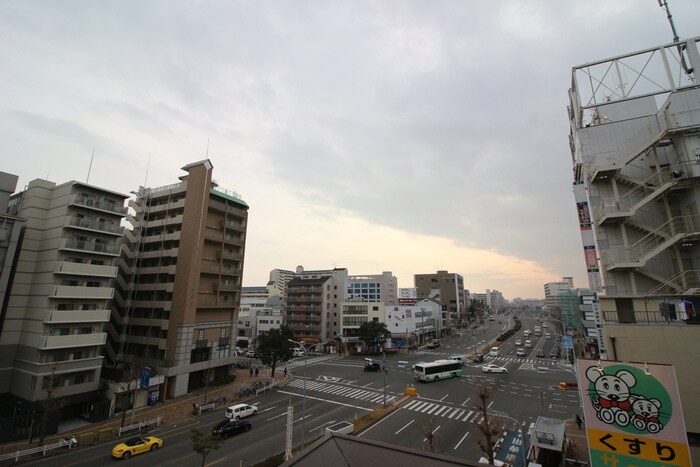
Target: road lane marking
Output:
[(460, 441), (405, 426)]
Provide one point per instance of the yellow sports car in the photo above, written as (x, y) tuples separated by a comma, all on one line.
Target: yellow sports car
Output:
[(136, 445)]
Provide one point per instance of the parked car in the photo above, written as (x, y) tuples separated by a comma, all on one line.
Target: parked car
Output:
[(434, 344), (250, 353), (238, 411), (136, 445), (372, 366), (540, 354), (528, 343), (227, 428), (493, 368), (298, 352), (518, 342), (520, 352)]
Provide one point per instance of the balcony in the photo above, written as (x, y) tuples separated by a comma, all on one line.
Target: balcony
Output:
[(201, 344), (92, 293), (72, 340), (304, 309), (94, 225), (230, 255), (86, 269), (303, 319), (91, 246), (305, 329), (109, 206), (164, 221), (212, 302), (306, 299), (77, 316)]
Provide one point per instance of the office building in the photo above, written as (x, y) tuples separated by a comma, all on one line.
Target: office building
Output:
[(373, 288)]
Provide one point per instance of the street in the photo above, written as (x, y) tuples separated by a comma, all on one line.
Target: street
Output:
[(338, 389)]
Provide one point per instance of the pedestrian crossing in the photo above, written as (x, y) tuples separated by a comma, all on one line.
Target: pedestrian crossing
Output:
[(344, 391), (445, 411)]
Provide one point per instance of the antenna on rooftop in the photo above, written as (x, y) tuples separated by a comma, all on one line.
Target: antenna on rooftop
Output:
[(87, 180), (681, 48)]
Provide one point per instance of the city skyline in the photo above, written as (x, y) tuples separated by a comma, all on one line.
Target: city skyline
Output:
[(392, 136)]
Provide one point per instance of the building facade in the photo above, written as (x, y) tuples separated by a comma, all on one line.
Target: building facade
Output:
[(635, 148), (54, 323), (180, 285), (373, 288), (448, 289)]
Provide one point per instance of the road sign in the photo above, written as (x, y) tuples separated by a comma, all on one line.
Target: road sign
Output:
[(633, 414)]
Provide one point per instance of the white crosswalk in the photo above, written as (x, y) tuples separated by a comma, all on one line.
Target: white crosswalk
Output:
[(344, 391), (446, 411)]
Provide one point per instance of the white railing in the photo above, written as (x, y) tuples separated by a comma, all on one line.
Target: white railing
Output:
[(140, 425), (38, 450), (267, 387)]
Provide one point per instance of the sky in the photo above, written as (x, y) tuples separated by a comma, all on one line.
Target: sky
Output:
[(402, 136)]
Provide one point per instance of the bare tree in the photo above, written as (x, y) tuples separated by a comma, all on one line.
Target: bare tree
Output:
[(489, 427), (50, 404), (429, 432)]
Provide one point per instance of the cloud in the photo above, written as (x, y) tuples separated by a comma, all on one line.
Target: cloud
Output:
[(397, 135)]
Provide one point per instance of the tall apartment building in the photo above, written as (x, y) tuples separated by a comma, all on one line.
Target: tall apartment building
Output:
[(53, 326), (373, 288), (279, 278), (314, 303), (635, 147), (180, 284), (448, 289), (11, 233)]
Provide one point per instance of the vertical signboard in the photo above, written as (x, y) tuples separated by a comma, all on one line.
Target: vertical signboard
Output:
[(633, 414), (590, 253)]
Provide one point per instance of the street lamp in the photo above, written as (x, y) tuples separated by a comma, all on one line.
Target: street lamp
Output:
[(520, 428), (303, 404)]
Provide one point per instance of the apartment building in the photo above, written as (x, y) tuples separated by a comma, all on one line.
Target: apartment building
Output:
[(53, 322), (448, 289), (180, 284), (11, 233), (635, 148), (313, 304)]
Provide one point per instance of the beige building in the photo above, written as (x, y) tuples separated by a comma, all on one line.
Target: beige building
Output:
[(53, 327), (180, 285), (448, 289), (635, 146), (373, 288)]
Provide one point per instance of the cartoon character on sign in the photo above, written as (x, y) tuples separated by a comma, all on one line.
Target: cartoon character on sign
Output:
[(646, 414), (628, 397), (611, 398)]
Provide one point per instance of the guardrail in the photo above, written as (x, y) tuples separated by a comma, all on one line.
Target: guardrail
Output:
[(267, 387), (140, 425), (38, 450)]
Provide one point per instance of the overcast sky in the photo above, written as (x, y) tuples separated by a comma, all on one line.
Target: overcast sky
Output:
[(403, 136)]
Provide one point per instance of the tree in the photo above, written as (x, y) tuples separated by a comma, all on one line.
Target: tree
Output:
[(274, 346), (373, 333), (429, 433), (51, 383), (204, 443), (489, 427)]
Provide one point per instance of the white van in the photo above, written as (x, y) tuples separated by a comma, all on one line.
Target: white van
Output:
[(495, 351), (298, 352), (457, 358), (238, 411)]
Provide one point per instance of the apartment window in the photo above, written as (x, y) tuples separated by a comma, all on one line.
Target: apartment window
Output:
[(200, 335), (223, 332)]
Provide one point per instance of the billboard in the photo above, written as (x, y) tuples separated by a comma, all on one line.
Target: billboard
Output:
[(633, 414)]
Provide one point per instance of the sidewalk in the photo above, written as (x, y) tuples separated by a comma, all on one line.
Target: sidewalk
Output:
[(578, 443), (171, 411)]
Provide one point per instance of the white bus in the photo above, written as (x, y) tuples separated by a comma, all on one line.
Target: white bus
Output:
[(437, 370)]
